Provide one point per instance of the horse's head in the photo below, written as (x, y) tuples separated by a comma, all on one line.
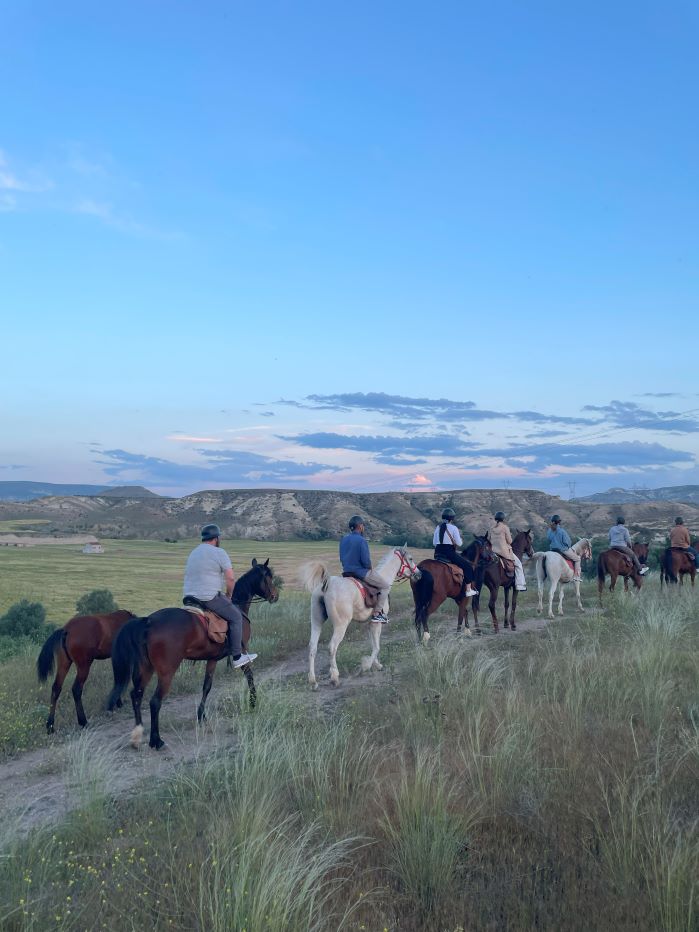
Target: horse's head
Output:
[(408, 568), (584, 548), (479, 549), (641, 551), (523, 543), (263, 581)]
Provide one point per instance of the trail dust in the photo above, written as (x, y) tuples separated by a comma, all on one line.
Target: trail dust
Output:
[(41, 786)]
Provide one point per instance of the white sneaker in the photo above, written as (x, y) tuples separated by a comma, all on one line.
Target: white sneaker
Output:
[(243, 659), (470, 593), (521, 588), (380, 617), (643, 570)]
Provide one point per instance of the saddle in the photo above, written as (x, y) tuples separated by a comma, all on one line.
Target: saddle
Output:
[(507, 565), (570, 563), (216, 627), (370, 593)]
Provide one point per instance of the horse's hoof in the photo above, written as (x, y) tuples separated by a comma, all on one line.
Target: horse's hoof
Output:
[(425, 637), (119, 703), (376, 665), (314, 687), (157, 745), (513, 627)]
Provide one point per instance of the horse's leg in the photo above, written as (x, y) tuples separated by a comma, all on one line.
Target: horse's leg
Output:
[(339, 630), (247, 673), (474, 609), (577, 596), (81, 675), (513, 626), (206, 689), (506, 590), (491, 605), (156, 700), (540, 586), (63, 664), (141, 678), (316, 628), (463, 616), (553, 583), (612, 580), (372, 662), (561, 593)]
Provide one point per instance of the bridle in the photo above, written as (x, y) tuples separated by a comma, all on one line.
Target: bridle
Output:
[(405, 570)]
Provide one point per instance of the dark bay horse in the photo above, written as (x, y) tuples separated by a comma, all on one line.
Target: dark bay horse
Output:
[(613, 563), (159, 643), (437, 584), (675, 565), (493, 575), (80, 641)]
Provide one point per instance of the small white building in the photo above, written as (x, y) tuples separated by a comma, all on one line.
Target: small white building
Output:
[(94, 547)]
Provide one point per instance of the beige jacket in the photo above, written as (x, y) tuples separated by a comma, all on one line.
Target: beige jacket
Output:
[(501, 539), (679, 536)]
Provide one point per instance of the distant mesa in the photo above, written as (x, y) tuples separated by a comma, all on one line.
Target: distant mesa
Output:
[(619, 496), (30, 491)]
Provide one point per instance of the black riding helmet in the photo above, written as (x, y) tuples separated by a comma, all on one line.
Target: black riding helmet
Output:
[(210, 532), (448, 513), (355, 521), (499, 515)]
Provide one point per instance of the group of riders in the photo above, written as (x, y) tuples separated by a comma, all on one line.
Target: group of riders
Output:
[(209, 578)]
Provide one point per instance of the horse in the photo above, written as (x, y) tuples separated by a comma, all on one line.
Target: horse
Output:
[(492, 573), (160, 642), (675, 564), (339, 598), (615, 563), (552, 566), (436, 584), (80, 641)]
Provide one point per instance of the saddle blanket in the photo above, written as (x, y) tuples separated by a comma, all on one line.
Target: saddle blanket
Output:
[(216, 627), (507, 565), (457, 574), (369, 593)]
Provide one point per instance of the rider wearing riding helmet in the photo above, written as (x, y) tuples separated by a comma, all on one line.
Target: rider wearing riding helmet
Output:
[(501, 540), (446, 539), (620, 539), (209, 571), (560, 542), (356, 561)]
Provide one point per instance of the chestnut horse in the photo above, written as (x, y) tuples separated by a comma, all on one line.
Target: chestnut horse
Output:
[(437, 584), (80, 641), (159, 643), (675, 564), (493, 575), (613, 563)]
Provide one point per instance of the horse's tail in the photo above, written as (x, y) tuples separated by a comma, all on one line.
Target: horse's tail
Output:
[(669, 569), (47, 654), (128, 650), (423, 590), (313, 574)]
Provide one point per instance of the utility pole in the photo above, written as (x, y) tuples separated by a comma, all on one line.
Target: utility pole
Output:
[(571, 489)]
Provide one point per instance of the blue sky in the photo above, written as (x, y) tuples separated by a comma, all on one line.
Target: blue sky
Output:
[(363, 246)]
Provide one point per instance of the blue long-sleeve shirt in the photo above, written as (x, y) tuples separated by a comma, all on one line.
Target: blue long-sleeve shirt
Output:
[(558, 539), (354, 554)]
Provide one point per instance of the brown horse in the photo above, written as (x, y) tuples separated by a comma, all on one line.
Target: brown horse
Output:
[(613, 563), (159, 643), (80, 641), (675, 565), (437, 584), (493, 575)]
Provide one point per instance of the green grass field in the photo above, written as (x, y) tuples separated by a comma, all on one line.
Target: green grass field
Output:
[(542, 781)]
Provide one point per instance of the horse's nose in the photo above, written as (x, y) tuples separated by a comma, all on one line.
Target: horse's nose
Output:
[(417, 575)]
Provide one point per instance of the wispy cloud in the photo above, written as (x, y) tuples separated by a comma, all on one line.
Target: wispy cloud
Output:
[(186, 438), (627, 414), (30, 182)]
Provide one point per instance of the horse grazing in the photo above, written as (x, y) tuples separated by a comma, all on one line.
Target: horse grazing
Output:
[(437, 583), (492, 573), (80, 641), (675, 565), (159, 643), (339, 599), (614, 563), (552, 566)]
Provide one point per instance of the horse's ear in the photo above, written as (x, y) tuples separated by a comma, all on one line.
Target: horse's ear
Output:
[(254, 561), (529, 530), (405, 545), (267, 562)]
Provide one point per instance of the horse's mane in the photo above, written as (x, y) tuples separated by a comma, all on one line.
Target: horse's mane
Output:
[(387, 556), (583, 540)]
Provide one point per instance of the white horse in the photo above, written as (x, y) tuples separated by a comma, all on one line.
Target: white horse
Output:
[(552, 566), (339, 599)]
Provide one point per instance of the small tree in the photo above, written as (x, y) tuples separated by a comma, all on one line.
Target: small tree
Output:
[(24, 619), (97, 602)]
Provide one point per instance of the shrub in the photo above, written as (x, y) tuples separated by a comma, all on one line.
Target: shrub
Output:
[(24, 619), (96, 602)]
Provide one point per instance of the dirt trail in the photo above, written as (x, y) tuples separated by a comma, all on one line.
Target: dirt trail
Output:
[(40, 786)]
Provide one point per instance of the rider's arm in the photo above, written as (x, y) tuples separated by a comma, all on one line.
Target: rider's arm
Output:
[(364, 556), (229, 580)]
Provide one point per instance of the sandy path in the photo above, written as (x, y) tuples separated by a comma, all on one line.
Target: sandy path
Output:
[(41, 786)]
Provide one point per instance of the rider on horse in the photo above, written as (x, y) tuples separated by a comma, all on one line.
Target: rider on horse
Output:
[(208, 570), (560, 542), (620, 539), (680, 540), (446, 539), (356, 561), (501, 540)]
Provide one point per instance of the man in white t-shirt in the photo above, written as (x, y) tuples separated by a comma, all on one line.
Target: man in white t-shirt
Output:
[(207, 575)]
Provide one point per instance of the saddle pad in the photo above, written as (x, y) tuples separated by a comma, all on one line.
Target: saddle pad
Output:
[(216, 627), (369, 593), (507, 565), (457, 574), (570, 563)]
